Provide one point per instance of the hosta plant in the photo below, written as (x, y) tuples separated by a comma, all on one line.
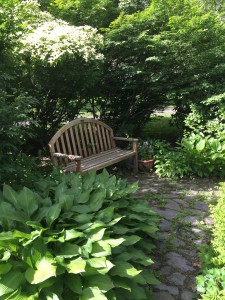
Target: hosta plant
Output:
[(76, 237)]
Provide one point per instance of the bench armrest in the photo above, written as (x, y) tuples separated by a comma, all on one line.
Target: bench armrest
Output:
[(134, 141), (71, 158), (125, 139), (68, 156)]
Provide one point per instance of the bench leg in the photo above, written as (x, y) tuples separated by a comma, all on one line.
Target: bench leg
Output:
[(135, 148), (135, 167), (78, 169)]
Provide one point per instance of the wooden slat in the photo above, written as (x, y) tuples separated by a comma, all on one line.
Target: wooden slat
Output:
[(68, 143), (95, 133), (108, 140), (86, 136), (73, 141), (82, 139), (104, 138), (112, 140), (90, 128), (100, 137), (63, 146), (59, 151), (54, 159), (80, 151)]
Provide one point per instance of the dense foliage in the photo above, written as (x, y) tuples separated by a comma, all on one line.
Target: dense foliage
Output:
[(211, 282), (76, 237), (120, 60)]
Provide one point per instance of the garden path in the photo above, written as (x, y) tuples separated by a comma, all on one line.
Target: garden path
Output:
[(184, 227)]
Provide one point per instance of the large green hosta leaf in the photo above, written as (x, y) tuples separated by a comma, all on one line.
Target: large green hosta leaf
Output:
[(5, 268), (92, 293), (53, 213), (11, 281), (124, 269), (103, 282), (11, 196), (76, 266), (96, 200), (68, 250), (46, 268), (28, 201)]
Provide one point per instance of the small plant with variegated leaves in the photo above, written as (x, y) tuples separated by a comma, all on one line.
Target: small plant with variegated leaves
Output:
[(76, 237)]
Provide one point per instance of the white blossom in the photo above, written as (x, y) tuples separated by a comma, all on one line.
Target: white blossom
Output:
[(53, 39)]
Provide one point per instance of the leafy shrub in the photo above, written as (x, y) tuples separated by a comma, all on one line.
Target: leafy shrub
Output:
[(205, 153), (211, 283), (76, 237), (16, 167), (171, 161), (196, 155)]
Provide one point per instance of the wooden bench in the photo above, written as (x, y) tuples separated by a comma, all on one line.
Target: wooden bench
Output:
[(86, 144)]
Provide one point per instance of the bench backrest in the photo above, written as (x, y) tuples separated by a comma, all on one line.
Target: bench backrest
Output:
[(83, 137)]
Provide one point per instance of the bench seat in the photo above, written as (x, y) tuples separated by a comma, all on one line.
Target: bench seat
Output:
[(101, 160)]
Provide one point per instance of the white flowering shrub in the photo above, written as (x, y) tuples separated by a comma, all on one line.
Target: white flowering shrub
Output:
[(55, 39)]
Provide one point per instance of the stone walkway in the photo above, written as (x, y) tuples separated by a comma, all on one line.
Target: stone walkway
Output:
[(184, 227)]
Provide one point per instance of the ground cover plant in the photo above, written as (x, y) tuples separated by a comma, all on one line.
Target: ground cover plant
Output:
[(76, 237), (211, 282)]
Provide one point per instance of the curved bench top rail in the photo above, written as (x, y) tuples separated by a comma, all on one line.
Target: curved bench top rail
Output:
[(74, 123)]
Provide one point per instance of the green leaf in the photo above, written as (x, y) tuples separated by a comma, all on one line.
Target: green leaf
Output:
[(98, 262), (103, 282), (53, 213), (101, 264), (124, 269), (120, 229), (106, 214), (115, 242), (96, 200), (28, 201), (131, 240), (122, 283), (84, 218), (101, 249), (7, 211), (200, 145), (11, 281), (97, 234), (68, 250), (5, 268), (88, 180), (113, 222), (17, 295), (72, 234), (81, 209), (11, 195), (46, 268), (74, 283), (92, 293), (87, 248), (51, 296), (67, 202), (150, 277), (143, 207), (6, 256), (76, 266), (84, 197)]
